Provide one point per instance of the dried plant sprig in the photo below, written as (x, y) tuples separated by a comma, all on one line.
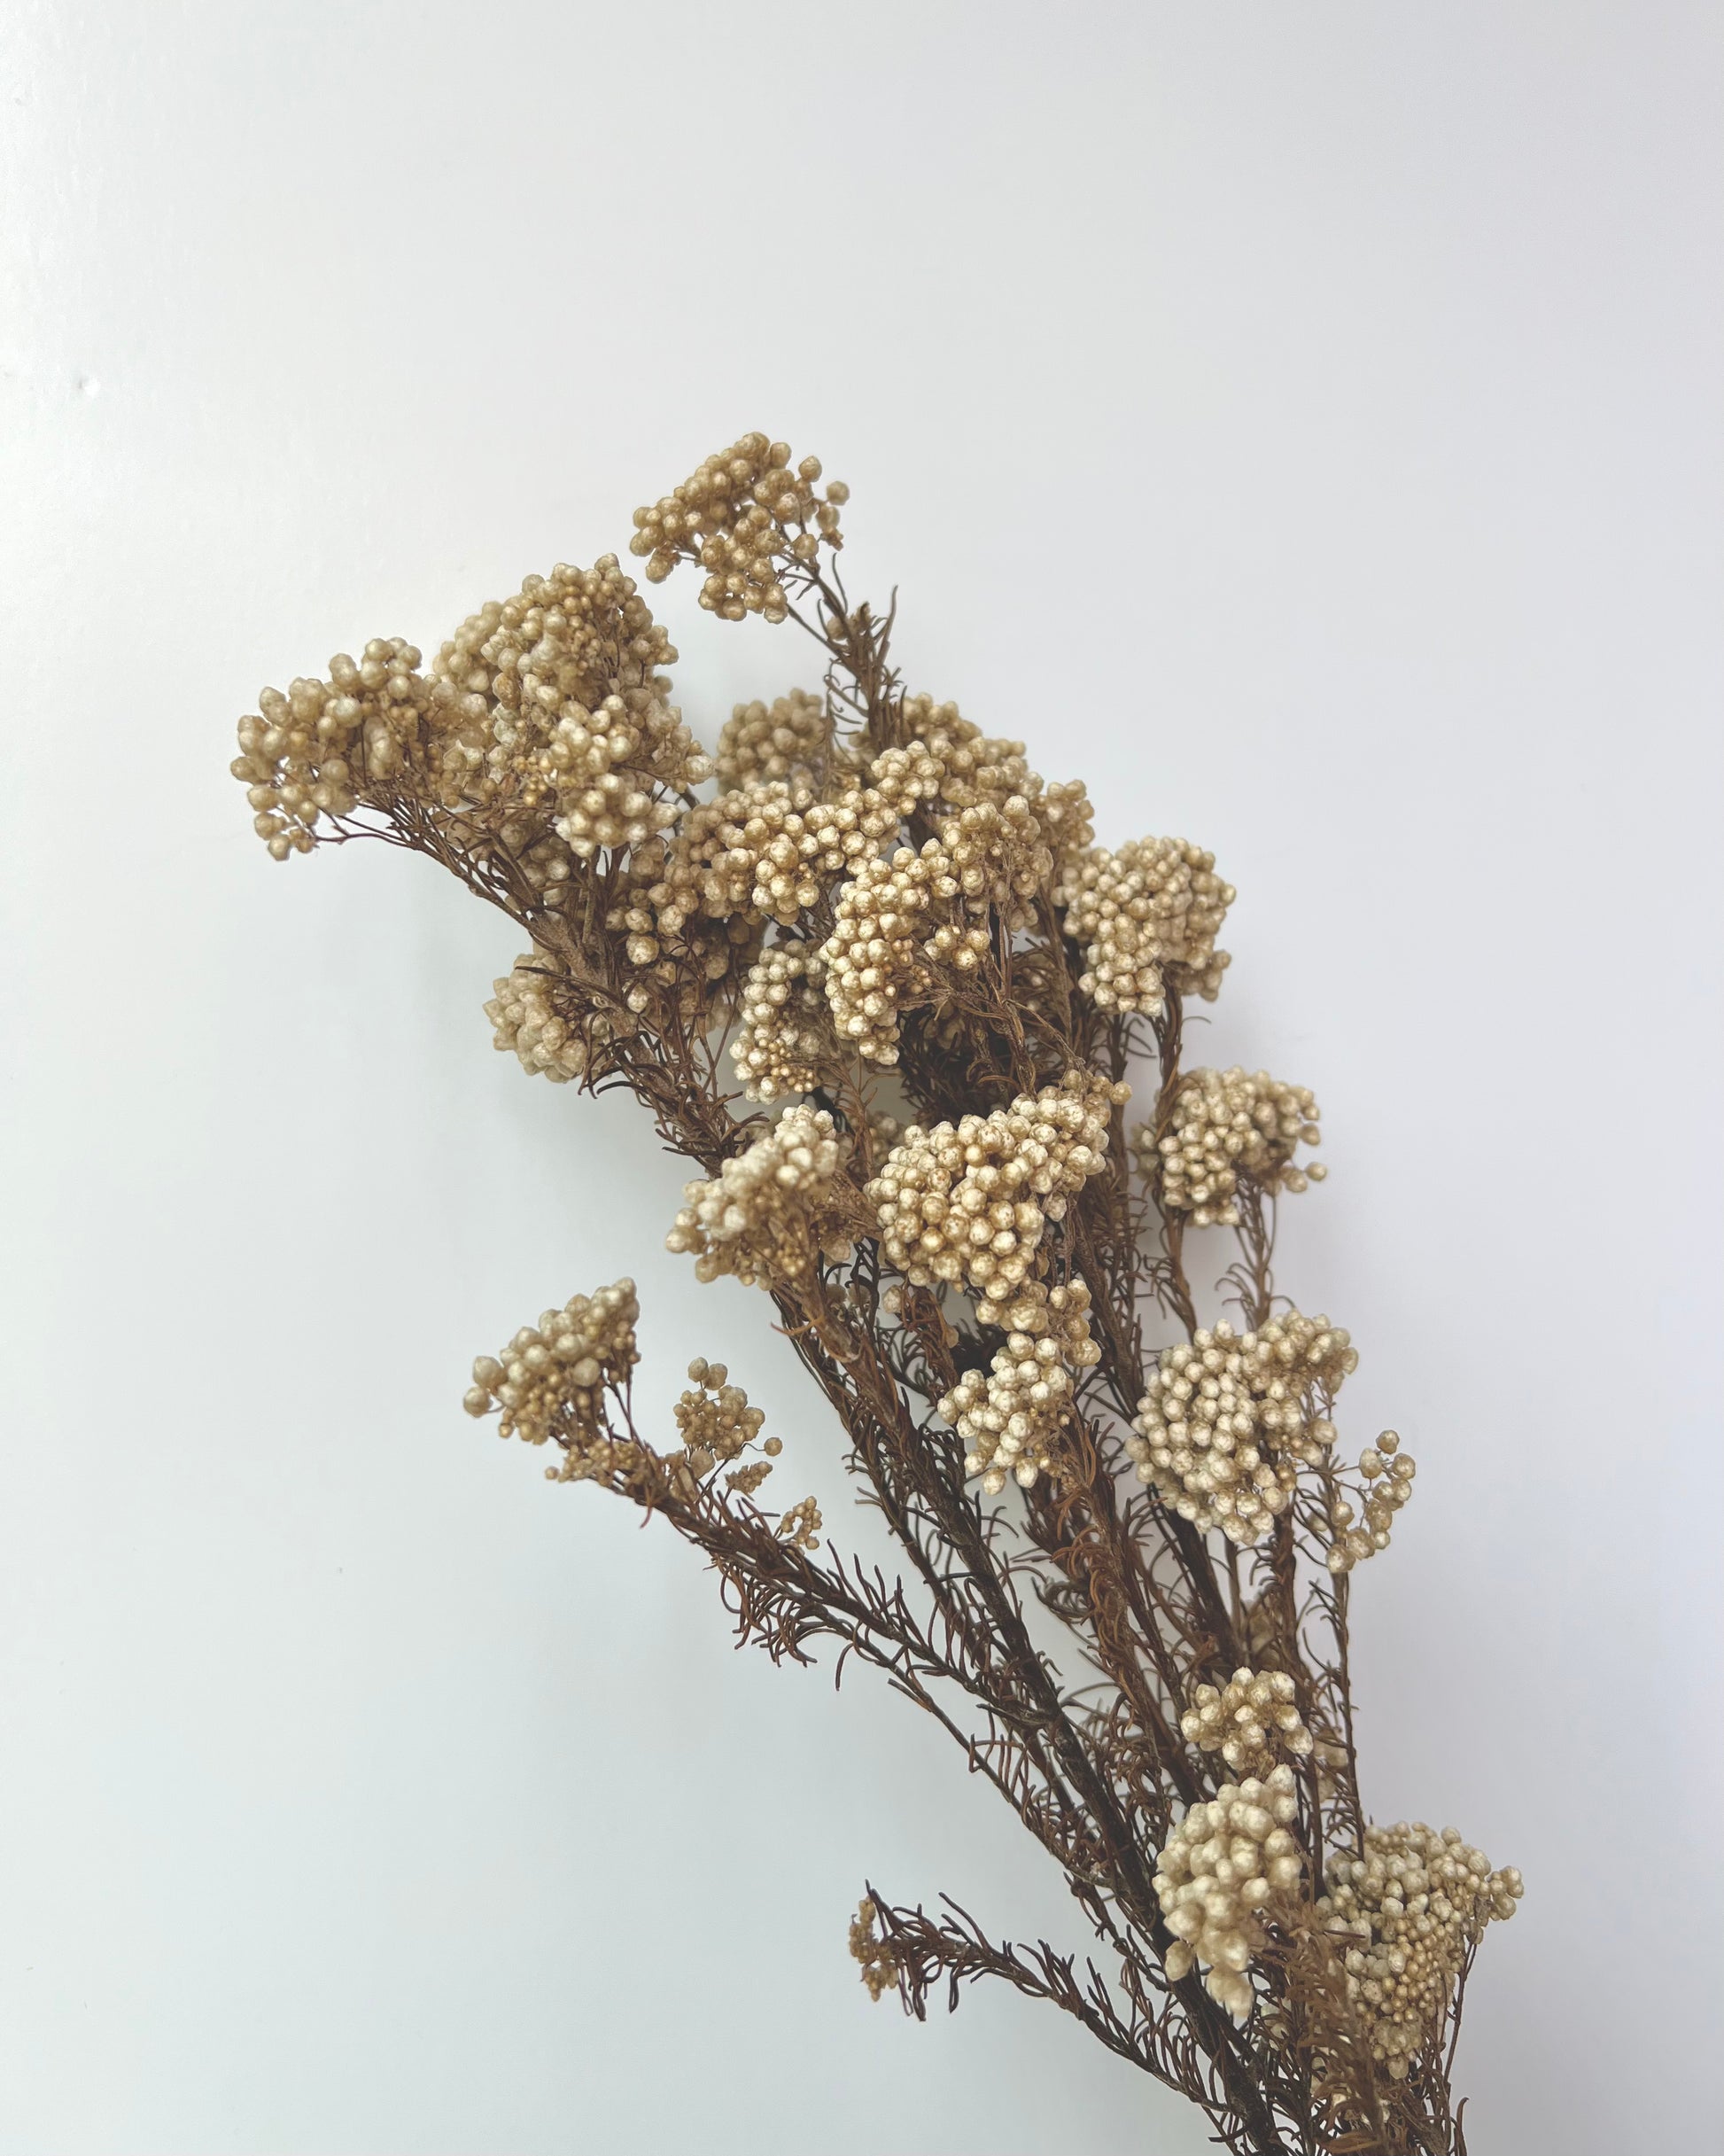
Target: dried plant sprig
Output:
[(968, 1268)]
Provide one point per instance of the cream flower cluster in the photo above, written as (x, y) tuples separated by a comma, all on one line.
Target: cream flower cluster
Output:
[(316, 750), (1010, 1420), (772, 1210), (606, 772), (880, 1964), (1067, 816), (699, 972), (542, 728), (961, 948), (1228, 1421), (784, 1036), (549, 1382), (1222, 1863), (945, 762), (801, 1525), (967, 1203), (553, 698), (764, 851), (768, 849), (524, 1020), (873, 961), (1414, 1904), (1150, 912), (798, 852), (573, 638), (717, 1423), (789, 738), (772, 849), (1221, 1125), (1248, 1720), (997, 855), (1387, 1475), (746, 517), (887, 927)]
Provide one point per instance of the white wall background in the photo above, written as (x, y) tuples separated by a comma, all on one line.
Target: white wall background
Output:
[(1301, 420)]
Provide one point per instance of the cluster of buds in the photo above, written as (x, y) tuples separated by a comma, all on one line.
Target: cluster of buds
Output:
[(550, 1382), (541, 736), (772, 1210), (321, 747), (944, 763), (879, 1965), (1228, 1421), (800, 1526), (997, 855), (898, 917), (764, 850), (1248, 1720), (749, 519), (783, 1039), (1012, 1418), (874, 960), (1218, 1127), (552, 705), (1387, 1477), (967, 1203), (789, 739), (1404, 1914), (524, 1020), (715, 1424), (1149, 913), (1224, 1862)]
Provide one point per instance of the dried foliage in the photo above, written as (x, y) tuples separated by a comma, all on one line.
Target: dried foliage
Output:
[(937, 996)]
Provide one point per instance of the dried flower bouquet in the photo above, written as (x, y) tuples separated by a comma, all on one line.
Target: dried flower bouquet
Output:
[(886, 993)]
